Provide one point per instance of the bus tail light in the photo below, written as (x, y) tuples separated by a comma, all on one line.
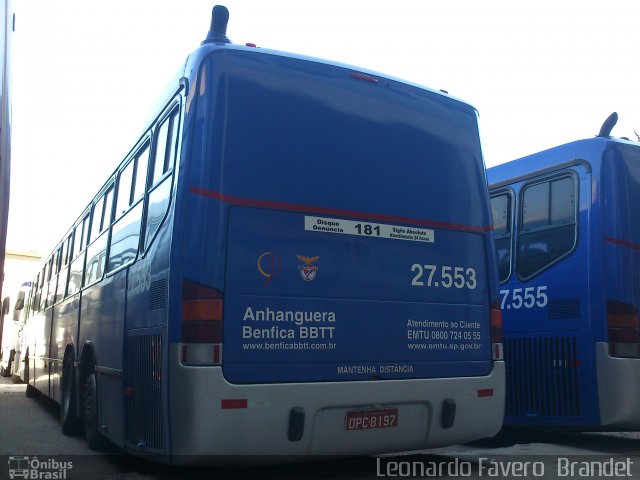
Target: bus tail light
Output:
[(201, 324), (496, 330), (623, 327)]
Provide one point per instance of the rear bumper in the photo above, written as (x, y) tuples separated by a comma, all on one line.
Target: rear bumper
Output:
[(202, 431), (618, 389)]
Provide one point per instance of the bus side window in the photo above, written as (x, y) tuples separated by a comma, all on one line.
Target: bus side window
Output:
[(36, 294), (125, 234), (96, 253), (548, 225), (53, 277), (43, 287), (64, 269), (166, 139), (107, 214), (96, 219), (124, 189), (80, 234), (142, 166), (501, 207)]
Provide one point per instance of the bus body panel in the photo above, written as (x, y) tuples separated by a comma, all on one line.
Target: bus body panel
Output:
[(103, 313), (261, 429), (65, 327), (146, 405), (618, 402), (621, 230), (306, 301)]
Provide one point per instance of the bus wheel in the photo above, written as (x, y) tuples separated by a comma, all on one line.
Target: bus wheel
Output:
[(68, 409), (91, 426)]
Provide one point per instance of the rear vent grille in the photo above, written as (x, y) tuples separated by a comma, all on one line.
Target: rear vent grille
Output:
[(158, 294), (542, 377), (564, 309), (143, 393)]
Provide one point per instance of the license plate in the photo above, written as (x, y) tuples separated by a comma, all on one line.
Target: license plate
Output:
[(369, 419)]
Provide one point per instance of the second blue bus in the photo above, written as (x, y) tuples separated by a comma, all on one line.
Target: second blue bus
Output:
[(567, 239)]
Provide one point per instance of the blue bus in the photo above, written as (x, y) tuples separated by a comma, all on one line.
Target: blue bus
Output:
[(270, 271), (568, 247)]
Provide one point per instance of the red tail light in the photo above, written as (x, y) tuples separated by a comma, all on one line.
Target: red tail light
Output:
[(496, 330), (202, 309), (623, 327), (201, 313), (496, 322)]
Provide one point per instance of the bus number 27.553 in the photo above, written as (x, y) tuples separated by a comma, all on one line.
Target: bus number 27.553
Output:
[(443, 276)]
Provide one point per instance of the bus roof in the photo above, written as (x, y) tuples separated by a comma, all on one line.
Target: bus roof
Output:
[(198, 55), (587, 151)]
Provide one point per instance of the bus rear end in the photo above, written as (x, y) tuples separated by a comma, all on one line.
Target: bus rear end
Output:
[(333, 265), (617, 347)]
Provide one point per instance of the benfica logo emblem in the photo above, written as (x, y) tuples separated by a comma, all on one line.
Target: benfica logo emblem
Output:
[(308, 272)]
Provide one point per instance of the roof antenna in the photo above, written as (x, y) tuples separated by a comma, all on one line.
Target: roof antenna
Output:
[(218, 30), (607, 126)]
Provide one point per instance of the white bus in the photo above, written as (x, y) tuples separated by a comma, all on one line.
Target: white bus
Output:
[(13, 320)]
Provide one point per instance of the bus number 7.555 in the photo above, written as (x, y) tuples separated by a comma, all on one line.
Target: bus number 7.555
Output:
[(528, 297)]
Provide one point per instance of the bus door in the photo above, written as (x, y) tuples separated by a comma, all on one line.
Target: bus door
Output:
[(542, 234)]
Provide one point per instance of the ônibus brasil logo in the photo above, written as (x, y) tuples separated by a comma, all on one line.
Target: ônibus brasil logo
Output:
[(36, 469)]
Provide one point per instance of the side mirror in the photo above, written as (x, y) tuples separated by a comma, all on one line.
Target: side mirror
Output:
[(5, 306)]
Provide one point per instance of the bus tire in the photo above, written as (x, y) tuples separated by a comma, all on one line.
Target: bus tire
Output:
[(69, 420), (91, 418)]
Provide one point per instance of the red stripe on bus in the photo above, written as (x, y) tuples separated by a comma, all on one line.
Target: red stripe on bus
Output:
[(622, 243), (249, 202)]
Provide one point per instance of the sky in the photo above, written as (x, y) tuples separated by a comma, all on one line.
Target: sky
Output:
[(88, 74)]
